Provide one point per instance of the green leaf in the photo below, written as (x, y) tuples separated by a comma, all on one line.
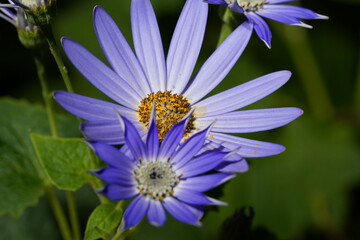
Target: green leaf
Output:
[(21, 177), (65, 160), (20, 183), (102, 221)]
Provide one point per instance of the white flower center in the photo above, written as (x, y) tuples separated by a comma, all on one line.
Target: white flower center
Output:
[(156, 180), (249, 5)]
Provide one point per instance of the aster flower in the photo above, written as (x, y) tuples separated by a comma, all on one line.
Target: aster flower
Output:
[(135, 82), (255, 10), (159, 175)]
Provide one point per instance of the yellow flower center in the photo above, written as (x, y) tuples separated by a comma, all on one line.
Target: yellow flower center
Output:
[(170, 109)]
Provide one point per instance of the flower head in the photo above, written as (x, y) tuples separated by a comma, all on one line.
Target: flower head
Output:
[(138, 81), (160, 174), (255, 10), (29, 34)]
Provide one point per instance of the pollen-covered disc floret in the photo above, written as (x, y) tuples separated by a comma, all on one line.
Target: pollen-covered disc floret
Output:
[(156, 180), (248, 5), (170, 109), (251, 5)]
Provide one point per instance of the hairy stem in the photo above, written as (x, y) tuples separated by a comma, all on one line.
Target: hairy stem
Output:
[(74, 219), (57, 56), (46, 96), (58, 213)]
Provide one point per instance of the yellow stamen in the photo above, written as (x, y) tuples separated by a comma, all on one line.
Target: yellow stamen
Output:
[(170, 109)]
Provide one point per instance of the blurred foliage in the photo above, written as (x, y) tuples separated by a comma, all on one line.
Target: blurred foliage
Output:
[(311, 191), (36, 223), (239, 226), (22, 179)]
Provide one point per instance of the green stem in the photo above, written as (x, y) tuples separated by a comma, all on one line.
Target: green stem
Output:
[(50, 192), (64, 73), (227, 26), (57, 56), (308, 70), (58, 212), (47, 97), (74, 219)]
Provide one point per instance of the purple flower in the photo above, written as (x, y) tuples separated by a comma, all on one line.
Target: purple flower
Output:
[(138, 81), (159, 175), (254, 10)]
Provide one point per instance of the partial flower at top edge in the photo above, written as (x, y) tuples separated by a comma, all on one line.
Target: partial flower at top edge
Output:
[(30, 35), (39, 12), (256, 10)]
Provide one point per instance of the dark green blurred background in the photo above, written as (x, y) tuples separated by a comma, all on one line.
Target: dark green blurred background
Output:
[(311, 191)]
